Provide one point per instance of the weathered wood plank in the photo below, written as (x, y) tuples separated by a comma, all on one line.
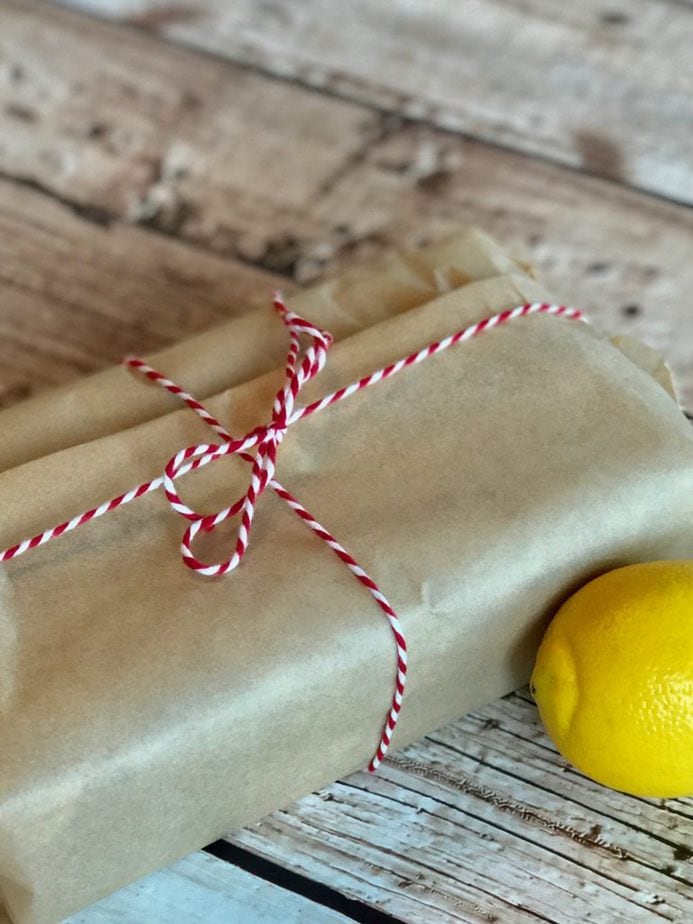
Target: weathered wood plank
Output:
[(483, 821), (78, 295), (204, 890), (510, 727), (303, 184), (599, 86)]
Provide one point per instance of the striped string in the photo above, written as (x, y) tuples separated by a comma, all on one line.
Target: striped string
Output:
[(265, 441)]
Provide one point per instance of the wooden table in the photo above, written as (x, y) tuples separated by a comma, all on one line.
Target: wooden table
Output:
[(158, 170)]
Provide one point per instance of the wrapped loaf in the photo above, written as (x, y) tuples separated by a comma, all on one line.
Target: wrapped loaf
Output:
[(145, 710)]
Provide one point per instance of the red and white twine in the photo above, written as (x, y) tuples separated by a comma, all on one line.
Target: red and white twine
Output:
[(265, 441)]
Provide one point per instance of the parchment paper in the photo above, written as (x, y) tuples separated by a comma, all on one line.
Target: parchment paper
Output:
[(146, 711)]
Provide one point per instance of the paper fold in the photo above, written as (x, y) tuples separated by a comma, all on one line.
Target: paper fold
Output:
[(247, 345)]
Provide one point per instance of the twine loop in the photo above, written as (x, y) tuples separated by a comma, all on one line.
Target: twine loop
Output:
[(264, 439)]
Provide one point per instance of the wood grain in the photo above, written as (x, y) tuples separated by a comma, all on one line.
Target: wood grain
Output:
[(601, 86), (203, 890), (273, 174), (483, 822), (78, 295)]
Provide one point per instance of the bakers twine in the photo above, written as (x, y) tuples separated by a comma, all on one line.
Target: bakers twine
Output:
[(265, 440)]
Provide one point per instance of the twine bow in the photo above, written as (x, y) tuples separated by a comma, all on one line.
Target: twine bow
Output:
[(265, 440)]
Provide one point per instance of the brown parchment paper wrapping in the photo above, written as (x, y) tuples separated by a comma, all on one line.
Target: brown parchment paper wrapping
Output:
[(146, 711), (248, 345)]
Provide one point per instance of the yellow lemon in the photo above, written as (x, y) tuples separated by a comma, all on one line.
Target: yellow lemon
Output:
[(613, 679)]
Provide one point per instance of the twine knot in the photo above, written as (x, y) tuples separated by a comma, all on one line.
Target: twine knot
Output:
[(264, 439)]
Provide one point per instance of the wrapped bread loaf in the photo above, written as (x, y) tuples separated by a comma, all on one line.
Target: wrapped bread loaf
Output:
[(150, 710)]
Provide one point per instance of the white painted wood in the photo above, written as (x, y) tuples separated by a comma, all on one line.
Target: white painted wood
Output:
[(483, 821), (597, 85), (204, 890)]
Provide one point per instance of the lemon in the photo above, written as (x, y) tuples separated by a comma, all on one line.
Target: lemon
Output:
[(613, 679)]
